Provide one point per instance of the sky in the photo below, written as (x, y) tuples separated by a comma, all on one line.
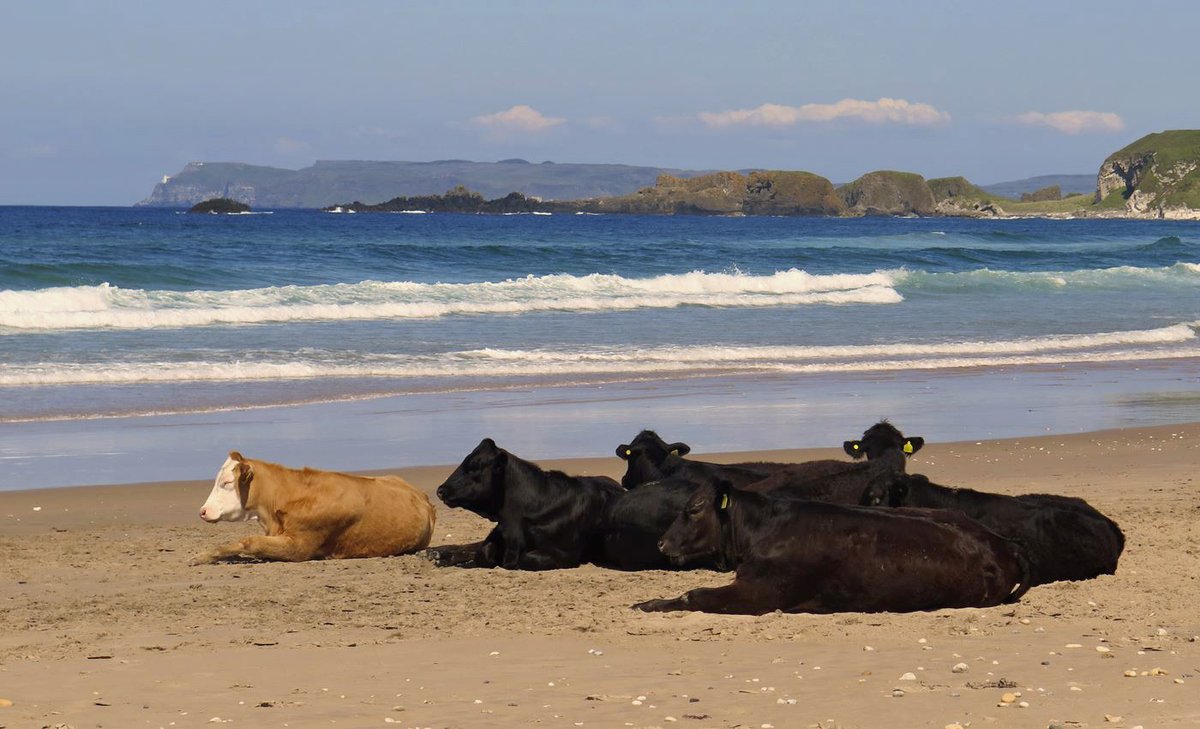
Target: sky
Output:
[(99, 100)]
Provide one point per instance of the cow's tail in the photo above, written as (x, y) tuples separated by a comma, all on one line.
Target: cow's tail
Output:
[(1022, 587)]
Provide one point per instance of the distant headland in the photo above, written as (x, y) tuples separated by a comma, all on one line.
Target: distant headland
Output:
[(1155, 177)]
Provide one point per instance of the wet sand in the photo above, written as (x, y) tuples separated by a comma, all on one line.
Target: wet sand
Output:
[(103, 624)]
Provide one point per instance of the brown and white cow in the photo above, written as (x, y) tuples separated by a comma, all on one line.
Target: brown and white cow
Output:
[(311, 514)]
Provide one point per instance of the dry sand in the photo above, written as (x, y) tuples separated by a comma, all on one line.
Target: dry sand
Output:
[(103, 624)]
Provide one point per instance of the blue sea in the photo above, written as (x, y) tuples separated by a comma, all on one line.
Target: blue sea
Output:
[(372, 340)]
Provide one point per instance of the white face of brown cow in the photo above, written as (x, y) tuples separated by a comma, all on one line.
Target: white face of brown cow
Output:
[(225, 503)]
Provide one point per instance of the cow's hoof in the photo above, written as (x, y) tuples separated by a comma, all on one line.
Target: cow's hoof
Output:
[(656, 606)]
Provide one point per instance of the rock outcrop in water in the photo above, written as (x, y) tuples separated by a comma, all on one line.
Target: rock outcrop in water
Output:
[(456, 200), (220, 205), (1158, 176)]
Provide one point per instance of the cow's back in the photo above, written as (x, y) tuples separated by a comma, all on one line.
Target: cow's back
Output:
[(368, 516), (856, 560)]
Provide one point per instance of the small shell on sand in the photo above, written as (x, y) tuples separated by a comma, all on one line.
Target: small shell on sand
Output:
[(1008, 698)]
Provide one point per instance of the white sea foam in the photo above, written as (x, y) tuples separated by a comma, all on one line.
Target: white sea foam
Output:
[(106, 306), (1180, 274), (1179, 340)]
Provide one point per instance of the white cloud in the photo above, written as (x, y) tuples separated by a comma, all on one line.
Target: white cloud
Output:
[(1075, 122), (883, 111), (520, 118)]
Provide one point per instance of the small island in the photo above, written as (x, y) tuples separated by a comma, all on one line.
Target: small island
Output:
[(220, 205)]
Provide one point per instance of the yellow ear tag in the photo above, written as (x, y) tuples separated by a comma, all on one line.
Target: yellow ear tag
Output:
[(724, 501), (675, 452), (854, 446), (628, 452), (908, 447)]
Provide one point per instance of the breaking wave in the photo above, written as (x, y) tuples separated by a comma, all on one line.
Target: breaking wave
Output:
[(105, 306), (1178, 340)]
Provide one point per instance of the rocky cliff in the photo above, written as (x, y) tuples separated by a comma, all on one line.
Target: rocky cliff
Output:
[(1158, 176), (886, 192), (330, 182), (727, 193)]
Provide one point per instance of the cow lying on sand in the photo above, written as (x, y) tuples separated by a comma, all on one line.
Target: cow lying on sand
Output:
[(311, 514), (544, 519), (802, 556), (638, 519), (649, 458), (1064, 537)]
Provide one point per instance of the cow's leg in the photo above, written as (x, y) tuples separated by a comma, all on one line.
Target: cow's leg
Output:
[(485, 553), (741, 597), (280, 547), (547, 559), (514, 545), (452, 555)]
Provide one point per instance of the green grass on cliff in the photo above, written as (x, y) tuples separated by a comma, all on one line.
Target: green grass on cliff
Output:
[(1171, 148), (1071, 204)]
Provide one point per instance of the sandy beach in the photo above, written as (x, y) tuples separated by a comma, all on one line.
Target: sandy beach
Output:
[(104, 625)]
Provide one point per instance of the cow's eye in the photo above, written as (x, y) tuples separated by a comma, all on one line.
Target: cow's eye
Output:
[(227, 485)]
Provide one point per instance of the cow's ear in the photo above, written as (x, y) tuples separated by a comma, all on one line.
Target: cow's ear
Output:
[(721, 495), (487, 444), (679, 449), (624, 452), (244, 471), (853, 448), (234, 455), (912, 445)]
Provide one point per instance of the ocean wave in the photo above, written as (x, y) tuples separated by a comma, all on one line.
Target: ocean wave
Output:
[(1180, 274), (105, 306), (1179, 340)]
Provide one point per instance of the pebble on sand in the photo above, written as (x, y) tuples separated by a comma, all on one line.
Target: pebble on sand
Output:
[(5, 703), (1131, 674), (960, 668), (910, 676), (1008, 698)]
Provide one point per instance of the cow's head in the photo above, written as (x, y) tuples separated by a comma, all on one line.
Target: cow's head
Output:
[(478, 482), (879, 439), (697, 531), (645, 457), (231, 489)]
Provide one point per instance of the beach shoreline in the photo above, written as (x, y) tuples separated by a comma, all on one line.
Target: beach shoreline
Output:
[(713, 414), (105, 625)]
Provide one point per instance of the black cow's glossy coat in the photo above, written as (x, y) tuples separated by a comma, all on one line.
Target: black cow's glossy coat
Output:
[(1064, 537), (544, 519), (799, 556)]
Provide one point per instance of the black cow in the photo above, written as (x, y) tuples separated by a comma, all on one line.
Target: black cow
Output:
[(544, 519), (879, 439), (650, 458), (1064, 537), (642, 514), (800, 556)]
